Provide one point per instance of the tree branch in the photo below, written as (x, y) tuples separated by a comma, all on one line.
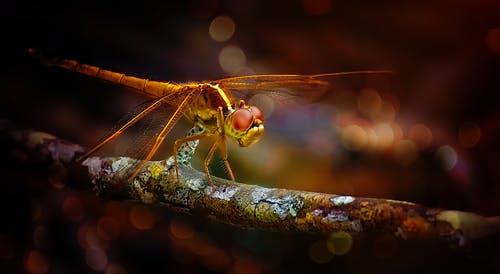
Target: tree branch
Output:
[(252, 206)]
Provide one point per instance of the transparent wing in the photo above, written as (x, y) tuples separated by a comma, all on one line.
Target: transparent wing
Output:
[(149, 120), (289, 89)]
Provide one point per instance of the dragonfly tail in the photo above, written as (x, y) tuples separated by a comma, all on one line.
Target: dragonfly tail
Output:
[(150, 88)]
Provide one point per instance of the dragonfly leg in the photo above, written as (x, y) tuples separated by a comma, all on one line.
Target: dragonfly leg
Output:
[(184, 148), (209, 158), (223, 151)]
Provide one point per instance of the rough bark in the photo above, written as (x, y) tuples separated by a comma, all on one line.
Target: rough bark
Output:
[(250, 206)]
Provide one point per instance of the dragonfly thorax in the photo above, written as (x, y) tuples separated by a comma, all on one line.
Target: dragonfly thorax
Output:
[(244, 124)]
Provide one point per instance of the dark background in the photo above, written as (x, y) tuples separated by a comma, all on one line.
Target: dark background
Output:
[(444, 55)]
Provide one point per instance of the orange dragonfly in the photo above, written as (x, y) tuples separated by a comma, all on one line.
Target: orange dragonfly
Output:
[(215, 108)]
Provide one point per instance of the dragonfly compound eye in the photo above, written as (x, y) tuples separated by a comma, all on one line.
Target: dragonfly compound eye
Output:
[(242, 119), (257, 114)]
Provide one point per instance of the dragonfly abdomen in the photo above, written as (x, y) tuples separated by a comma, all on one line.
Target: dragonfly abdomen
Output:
[(150, 88)]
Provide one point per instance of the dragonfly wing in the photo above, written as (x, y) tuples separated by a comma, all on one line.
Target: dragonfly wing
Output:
[(299, 89), (140, 138)]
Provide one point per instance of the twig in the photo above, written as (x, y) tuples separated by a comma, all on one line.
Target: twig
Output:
[(258, 207)]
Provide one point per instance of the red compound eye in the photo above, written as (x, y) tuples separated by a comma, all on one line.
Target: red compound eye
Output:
[(242, 119), (257, 113)]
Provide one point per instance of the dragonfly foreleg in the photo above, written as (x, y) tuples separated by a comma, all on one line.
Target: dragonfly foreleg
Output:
[(210, 154), (223, 151)]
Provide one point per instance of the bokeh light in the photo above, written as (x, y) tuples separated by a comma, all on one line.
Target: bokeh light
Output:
[(232, 59), (385, 135), (421, 135), (141, 217), (436, 108), (108, 228), (339, 243), (397, 130), (87, 237), (317, 7), (448, 157), (96, 258), (372, 139), (222, 28), (369, 103), (117, 210), (180, 230), (36, 263), (245, 264), (320, 142), (354, 137), (469, 134), (319, 252), (492, 40), (387, 112)]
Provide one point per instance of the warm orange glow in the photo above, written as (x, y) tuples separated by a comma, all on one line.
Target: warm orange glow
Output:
[(492, 40), (36, 263), (108, 228), (369, 103), (385, 135), (317, 7), (222, 28), (398, 132), (469, 134), (421, 135), (232, 59), (372, 138), (387, 112), (180, 230), (405, 152), (141, 217), (73, 208), (354, 137), (245, 264), (345, 101), (319, 252), (87, 237), (118, 210)]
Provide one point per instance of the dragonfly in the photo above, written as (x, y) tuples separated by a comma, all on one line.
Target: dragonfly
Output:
[(215, 108)]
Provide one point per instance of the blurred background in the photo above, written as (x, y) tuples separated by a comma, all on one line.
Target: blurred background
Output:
[(426, 133)]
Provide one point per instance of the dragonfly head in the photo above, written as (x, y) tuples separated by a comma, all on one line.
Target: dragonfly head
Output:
[(245, 124)]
